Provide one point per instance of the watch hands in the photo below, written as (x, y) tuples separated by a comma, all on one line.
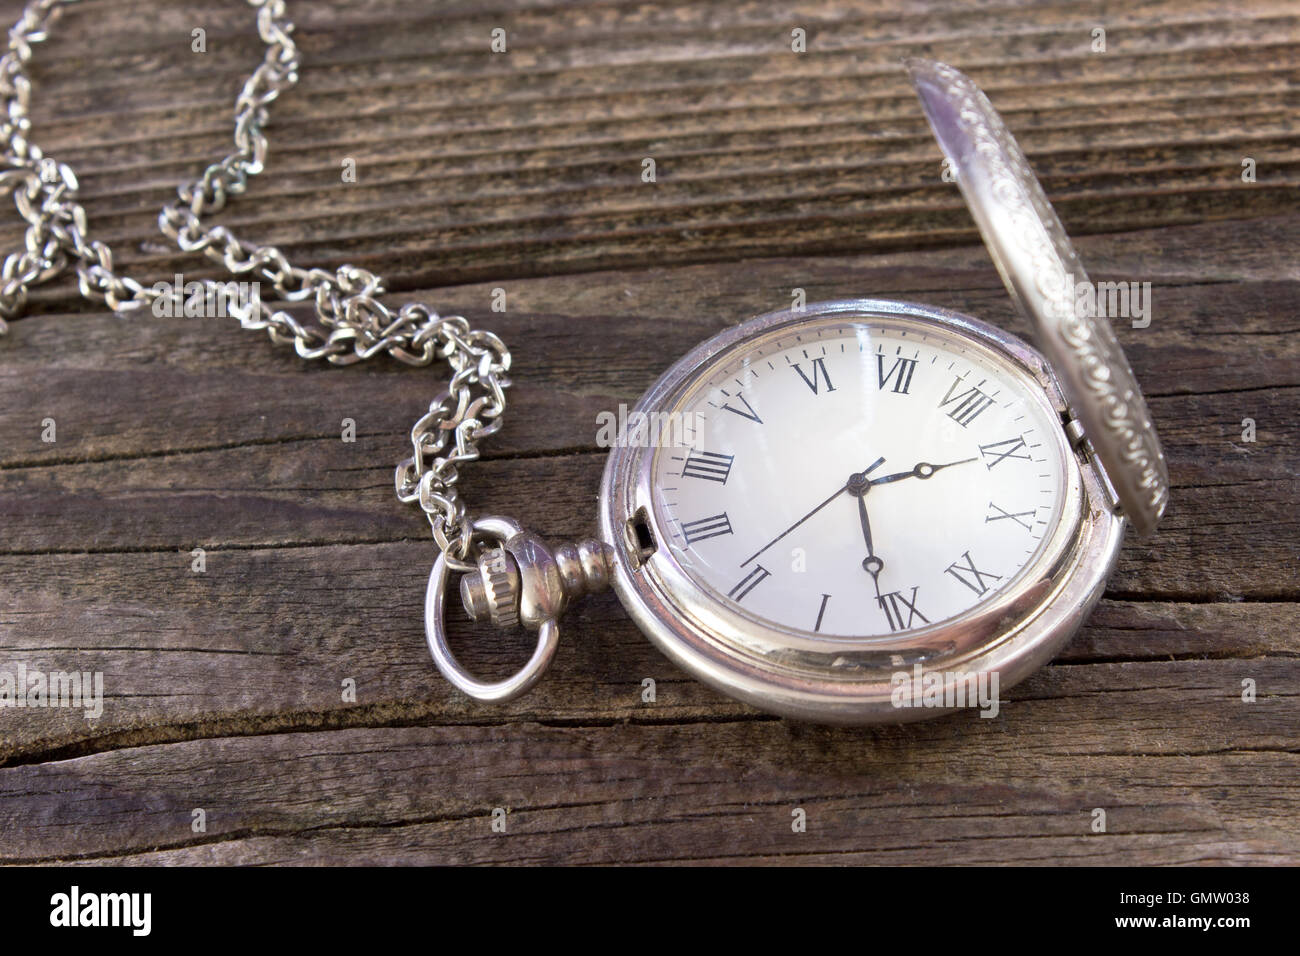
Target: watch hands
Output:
[(857, 484), (857, 477), (922, 470), (872, 564)]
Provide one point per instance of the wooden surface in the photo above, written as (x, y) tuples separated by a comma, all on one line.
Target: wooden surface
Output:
[(522, 171)]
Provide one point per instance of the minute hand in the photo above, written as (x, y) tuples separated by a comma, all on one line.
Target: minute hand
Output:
[(922, 470)]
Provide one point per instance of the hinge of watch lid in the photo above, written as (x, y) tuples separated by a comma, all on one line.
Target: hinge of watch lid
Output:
[(1080, 445), (1074, 432)]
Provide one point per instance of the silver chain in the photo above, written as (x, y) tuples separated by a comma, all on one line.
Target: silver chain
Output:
[(354, 324)]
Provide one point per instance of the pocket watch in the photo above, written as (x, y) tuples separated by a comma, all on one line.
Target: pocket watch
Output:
[(858, 511), (865, 510)]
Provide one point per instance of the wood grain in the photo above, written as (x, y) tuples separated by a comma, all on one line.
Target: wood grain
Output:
[(521, 171)]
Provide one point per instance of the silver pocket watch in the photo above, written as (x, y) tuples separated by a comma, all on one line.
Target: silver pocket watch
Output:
[(862, 511)]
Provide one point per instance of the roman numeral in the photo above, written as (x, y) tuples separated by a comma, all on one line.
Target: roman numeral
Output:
[(708, 465), (894, 605), (750, 581), (705, 528), (900, 373), (970, 575), (819, 375), (1000, 451), (749, 413), (1004, 514), (966, 405)]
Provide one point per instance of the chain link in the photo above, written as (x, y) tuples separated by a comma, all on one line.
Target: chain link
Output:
[(354, 323)]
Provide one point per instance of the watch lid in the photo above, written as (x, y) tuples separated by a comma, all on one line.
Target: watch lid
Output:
[(1048, 283)]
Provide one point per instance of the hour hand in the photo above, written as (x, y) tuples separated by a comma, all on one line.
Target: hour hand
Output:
[(922, 470)]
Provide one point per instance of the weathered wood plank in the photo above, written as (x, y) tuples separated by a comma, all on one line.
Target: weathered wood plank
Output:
[(265, 639), (1222, 310), (1020, 789), (529, 163), (1230, 532), (223, 689)]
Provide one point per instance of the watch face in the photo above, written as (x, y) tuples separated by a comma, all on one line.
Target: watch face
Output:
[(858, 477)]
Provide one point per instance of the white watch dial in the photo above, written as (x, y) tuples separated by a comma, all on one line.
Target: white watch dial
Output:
[(859, 478)]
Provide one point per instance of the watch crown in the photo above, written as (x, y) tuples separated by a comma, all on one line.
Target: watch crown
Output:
[(522, 581), (492, 591)]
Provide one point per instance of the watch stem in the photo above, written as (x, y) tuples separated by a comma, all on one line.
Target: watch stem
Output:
[(585, 567), (526, 574)]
